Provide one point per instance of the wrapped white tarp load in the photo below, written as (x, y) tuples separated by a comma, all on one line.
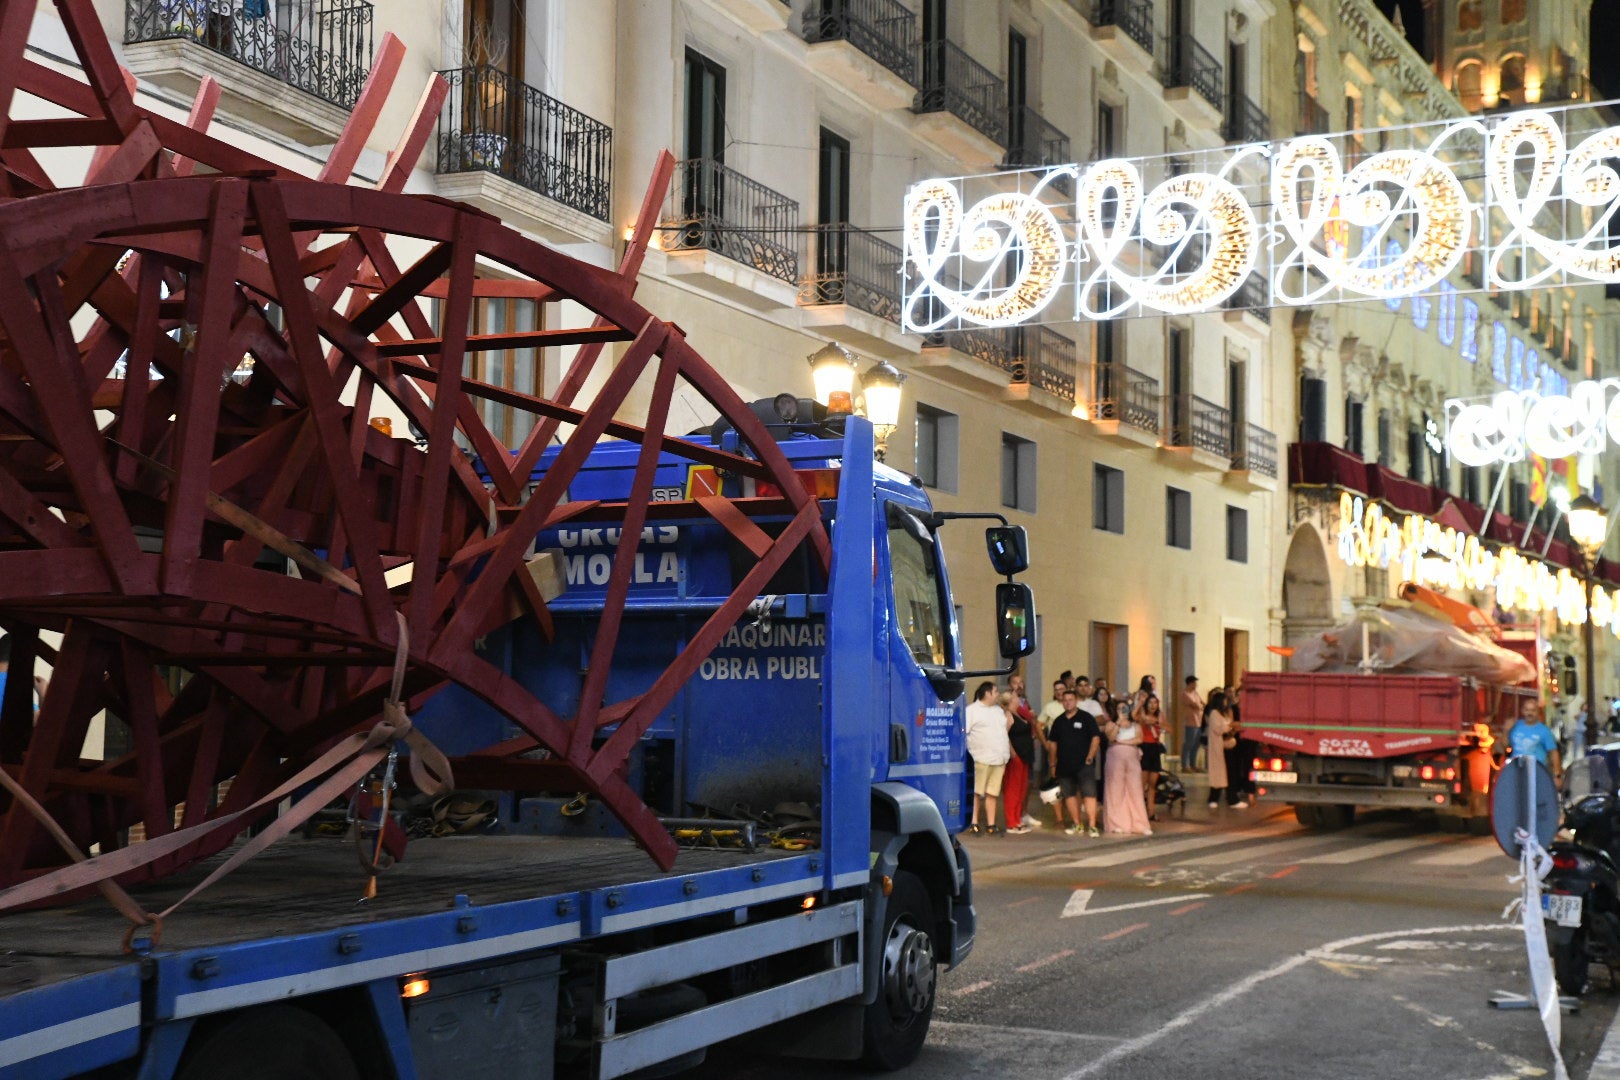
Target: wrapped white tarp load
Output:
[(1397, 639)]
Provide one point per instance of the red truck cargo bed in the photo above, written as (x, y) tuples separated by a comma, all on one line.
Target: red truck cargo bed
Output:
[(1365, 716)]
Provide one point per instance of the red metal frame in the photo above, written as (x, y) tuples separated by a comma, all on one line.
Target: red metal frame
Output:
[(135, 510)]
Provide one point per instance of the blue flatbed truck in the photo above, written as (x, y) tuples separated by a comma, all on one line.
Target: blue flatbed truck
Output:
[(556, 948)]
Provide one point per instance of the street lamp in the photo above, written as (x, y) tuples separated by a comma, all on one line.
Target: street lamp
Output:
[(880, 399), (1588, 527), (832, 373)]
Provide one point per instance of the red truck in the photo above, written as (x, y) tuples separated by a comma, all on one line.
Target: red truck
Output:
[(1328, 742)]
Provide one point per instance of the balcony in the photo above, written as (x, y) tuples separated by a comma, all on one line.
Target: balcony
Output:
[(1246, 122), (1121, 403), (716, 213), (1256, 456), (961, 105), (1045, 369), (973, 357), (1032, 142), (1192, 80), (869, 46), (494, 126), (1201, 430), (852, 292), (1313, 119), (297, 70), (1124, 28), (1249, 309)]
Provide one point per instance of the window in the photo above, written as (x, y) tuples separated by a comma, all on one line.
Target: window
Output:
[(1017, 97), (1470, 484), (1415, 453), (1237, 534), (1108, 499), (1017, 473), (705, 107), (1386, 439), (1510, 85), (832, 209), (1355, 411), (1178, 381), (1470, 15), (1107, 120), (1467, 86), (919, 607), (1312, 409), (936, 447), (512, 369), (1512, 12), (1178, 518)]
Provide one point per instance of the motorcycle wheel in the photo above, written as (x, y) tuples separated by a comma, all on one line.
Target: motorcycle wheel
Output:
[(1571, 964)]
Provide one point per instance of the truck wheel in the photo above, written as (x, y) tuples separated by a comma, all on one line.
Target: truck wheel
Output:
[(897, 1022), (275, 1042), (1336, 816), (1570, 963), (1307, 815)]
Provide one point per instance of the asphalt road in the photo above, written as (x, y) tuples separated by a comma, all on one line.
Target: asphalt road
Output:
[(1238, 945)]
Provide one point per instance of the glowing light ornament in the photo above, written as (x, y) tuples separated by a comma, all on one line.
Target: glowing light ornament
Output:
[(1313, 198), (1007, 235), (1200, 208), (1513, 423), (1525, 197)]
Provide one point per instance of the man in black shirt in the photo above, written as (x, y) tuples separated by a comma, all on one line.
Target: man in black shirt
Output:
[(1071, 744)]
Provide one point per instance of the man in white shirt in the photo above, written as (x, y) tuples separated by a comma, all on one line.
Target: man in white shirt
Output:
[(990, 748)]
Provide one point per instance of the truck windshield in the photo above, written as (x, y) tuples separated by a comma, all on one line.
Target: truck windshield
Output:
[(918, 607)]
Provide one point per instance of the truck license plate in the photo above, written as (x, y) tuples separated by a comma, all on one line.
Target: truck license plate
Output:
[(1561, 909), (1264, 777)]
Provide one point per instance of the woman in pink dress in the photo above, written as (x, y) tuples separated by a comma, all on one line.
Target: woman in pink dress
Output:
[(1124, 809)]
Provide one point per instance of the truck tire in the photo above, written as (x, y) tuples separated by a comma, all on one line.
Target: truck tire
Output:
[(1570, 963), (1307, 815), (274, 1042), (897, 1022), (1336, 815)]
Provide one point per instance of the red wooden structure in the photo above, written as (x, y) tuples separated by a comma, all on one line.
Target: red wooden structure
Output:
[(147, 471)]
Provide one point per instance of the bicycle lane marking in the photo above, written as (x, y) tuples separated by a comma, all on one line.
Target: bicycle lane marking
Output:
[(1238, 989)]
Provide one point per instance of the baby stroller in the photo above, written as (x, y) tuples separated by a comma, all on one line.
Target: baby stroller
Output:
[(1170, 793)]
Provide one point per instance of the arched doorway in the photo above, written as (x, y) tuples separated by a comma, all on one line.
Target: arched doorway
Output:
[(1307, 594)]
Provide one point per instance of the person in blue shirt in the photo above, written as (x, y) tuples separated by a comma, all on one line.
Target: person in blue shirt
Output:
[(1530, 737)]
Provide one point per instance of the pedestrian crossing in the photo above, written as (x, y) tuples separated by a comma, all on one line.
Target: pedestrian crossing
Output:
[(1279, 840)]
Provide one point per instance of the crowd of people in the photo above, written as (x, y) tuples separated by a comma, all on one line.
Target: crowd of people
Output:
[(1096, 757)]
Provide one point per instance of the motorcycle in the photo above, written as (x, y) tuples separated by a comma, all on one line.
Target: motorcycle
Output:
[(1580, 899)]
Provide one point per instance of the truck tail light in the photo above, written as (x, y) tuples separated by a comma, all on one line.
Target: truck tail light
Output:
[(414, 986), (1426, 773), (1448, 774), (1440, 800)]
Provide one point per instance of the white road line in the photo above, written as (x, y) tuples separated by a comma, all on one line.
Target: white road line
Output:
[(1363, 852), (992, 1030), (1465, 853), (1225, 997), (1260, 852), (1153, 848), (1081, 898)]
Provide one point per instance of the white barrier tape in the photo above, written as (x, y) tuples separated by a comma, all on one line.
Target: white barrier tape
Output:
[(1534, 864)]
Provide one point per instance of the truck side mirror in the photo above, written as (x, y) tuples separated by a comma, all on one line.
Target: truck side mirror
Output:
[(1015, 607), (1009, 549)]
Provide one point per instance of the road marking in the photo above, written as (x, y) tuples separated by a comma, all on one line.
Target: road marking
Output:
[(1225, 997), (1133, 928), (1026, 901), (1519, 1065), (972, 988), (1043, 961), (1464, 853), (1245, 887), (980, 1031), (1284, 872), (1081, 898), (1186, 908), (1257, 853), (1153, 849), (1363, 852)]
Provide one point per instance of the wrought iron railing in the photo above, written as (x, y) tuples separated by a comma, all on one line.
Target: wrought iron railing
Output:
[(1049, 361), (1257, 453), (1313, 119), (952, 81), (322, 47), (1135, 17), (854, 267), (1115, 392), (996, 346), (716, 208), (1188, 63), (1253, 297), (1033, 142), (885, 30), (1246, 122), (493, 123), (1195, 422)]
